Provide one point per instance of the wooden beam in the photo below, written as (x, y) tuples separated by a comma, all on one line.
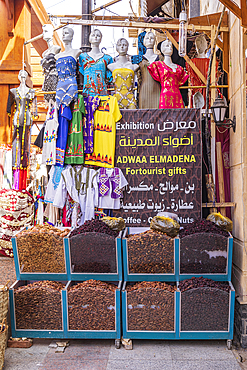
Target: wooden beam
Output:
[(226, 52), (243, 13), (218, 205), (232, 7), (130, 24), (187, 59), (105, 6)]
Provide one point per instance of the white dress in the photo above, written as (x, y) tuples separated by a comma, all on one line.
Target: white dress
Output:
[(50, 135), (81, 184), (54, 179)]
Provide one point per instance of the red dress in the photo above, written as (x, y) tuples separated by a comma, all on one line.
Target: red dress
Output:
[(170, 96)]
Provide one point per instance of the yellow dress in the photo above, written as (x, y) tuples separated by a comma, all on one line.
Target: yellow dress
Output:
[(105, 118), (123, 79)]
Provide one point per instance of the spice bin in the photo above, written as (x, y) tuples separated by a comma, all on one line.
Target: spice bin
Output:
[(205, 254), (207, 313), (37, 313), (150, 256), (40, 256), (94, 255), (92, 311), (150, 312)]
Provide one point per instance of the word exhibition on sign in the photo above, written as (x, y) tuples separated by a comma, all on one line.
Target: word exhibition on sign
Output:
[(159, 152)]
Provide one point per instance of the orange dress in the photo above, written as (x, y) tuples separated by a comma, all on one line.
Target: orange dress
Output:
[(170, 96)]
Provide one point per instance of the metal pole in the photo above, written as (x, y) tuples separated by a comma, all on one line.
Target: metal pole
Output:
[(85, 32)]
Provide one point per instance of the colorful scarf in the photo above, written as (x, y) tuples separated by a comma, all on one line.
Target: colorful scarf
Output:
[(104, 183)]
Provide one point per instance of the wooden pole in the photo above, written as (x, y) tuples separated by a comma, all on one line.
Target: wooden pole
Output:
[(220, 176)]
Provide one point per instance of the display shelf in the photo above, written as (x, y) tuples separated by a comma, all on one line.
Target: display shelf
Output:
[(134, 322), (18, 331), (160, 262), (94, 256), (203, 310), (23, 274), (96, 317), (205, 254)]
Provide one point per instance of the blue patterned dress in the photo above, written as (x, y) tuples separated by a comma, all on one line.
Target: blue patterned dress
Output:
[(95, 73), (67, 89)]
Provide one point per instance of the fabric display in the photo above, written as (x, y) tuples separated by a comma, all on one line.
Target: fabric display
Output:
[(5, 167), (111, 184), (50, 135), (105, 119), (54, 179), (16, 213), (74, 150), (67, 88), (123, 79), (64, 117), (170, 81), (95, 74), (91, 104), (48, 64)]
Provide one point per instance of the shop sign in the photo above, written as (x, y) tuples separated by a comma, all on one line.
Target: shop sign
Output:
[(159, 152)]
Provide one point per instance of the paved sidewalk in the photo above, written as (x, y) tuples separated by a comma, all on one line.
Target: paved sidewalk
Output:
[(102, 355)]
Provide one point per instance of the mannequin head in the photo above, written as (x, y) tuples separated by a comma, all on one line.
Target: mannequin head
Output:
[(122, 46), (47, 32), (68, 34), (149, 40), (95, 37), (166, 47), (201, 44), (22, 76)]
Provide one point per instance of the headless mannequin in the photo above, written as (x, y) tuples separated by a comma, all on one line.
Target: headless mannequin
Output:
[(67, 38), (122, 61), (48, 37), (167, 50), (148, 42)]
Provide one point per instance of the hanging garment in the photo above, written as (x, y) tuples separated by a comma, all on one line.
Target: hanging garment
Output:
[(51, 213), (105, 119), (64, 117), (91, 104), (111, 182), (74, 150), (123, 79), (54, 179), (50, 135), (95, 74), (7, 175), (20, 179), (81, 184), (67, 88), (170, 81), (22, 122), (16, 213), (148, 88), (48, 64)]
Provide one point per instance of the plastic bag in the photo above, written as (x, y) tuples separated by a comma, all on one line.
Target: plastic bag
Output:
[(116, 224), (165, 225), (222, 221)]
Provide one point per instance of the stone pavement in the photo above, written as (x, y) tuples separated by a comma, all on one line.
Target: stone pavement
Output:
[(102, 355)]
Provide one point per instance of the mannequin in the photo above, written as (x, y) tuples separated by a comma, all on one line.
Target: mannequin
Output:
[(170, 76), (92, 67), (48, 63), (22, 121), (202, 63), (149, 89), (123, 72), (67, 90)]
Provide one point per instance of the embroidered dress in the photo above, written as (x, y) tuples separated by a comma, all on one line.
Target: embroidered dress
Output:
[(111, 183), (74, 150), (95, 74), (91, 104), (54, 179), (64, 117), (123, 79), (81, 184), (105, 119), (170, 96), (48, 64), (67, 89), (50, 135)]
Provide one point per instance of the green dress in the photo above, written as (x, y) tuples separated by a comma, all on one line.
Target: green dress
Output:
[(74, 149)]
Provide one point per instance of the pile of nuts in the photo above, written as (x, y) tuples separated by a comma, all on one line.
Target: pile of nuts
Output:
[(40, 249), (39, 306), (151, 252), (91, 306), (150, 306)]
